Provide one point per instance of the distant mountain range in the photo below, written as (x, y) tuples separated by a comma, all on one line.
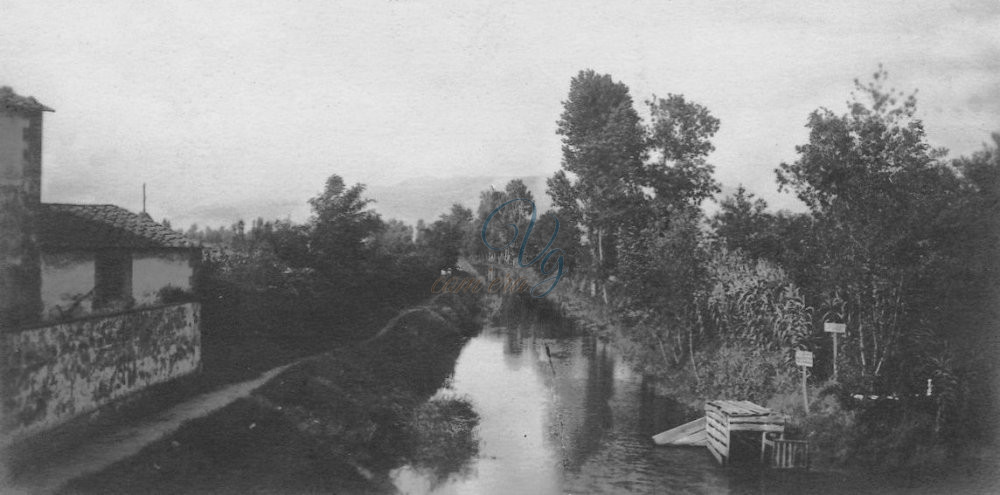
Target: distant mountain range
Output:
[(428, 197)]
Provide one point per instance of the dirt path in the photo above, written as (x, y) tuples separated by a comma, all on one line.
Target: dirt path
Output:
[(126, 440)]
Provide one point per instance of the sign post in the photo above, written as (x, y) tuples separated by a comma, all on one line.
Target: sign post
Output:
[(805, 360), (834, 329)]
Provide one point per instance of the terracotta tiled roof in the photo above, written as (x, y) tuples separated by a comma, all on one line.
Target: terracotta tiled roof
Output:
[(66, 226), (11, 101)]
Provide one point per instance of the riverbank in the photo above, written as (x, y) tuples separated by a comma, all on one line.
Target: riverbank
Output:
[(333, 423), (231, 354), (555, 408), (116, 442), (875, 439)]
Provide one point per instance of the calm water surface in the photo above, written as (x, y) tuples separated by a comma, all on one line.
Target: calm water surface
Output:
[(581, 421)]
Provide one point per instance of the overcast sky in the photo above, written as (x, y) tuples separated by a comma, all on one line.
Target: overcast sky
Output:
[(251, 105)]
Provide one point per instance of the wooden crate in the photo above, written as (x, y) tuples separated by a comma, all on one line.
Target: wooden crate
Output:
[(785, 454), (722, 417)]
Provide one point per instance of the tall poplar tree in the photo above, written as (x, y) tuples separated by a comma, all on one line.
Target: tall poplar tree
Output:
[(604, 146)]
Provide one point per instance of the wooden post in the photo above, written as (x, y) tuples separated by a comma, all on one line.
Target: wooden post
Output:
[(834, 357), (834, 328), (805, 360), (805, 391)]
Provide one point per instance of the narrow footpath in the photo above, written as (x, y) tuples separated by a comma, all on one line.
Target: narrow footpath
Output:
[(128, 439)]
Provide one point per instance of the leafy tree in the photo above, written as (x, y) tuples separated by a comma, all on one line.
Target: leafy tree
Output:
[(961, 356), (872, 183), (342, 227), (622, 182), (395, 239), (604, 146), (661, 269), (519, 212), (420, 233), (499, 232), (679, 139), (517, 189), (743, 223), (567, 239), (290, 242), (798, 249), (489, 199), (662, 259), (971, 237), (447, 238)]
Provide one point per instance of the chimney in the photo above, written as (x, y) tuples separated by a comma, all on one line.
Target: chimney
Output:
[(20, 197)]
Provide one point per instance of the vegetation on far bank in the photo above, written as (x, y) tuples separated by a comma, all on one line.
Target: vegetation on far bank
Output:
[(899, 243), (273, 291)]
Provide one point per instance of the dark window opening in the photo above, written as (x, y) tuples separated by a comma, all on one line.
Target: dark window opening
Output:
[(113, 280)]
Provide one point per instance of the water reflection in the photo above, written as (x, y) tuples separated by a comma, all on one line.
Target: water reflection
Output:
[(553, 407), (585, 391), (561, 412)]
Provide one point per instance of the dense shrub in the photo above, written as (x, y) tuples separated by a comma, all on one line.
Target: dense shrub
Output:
[(754, 301), (744, 372)]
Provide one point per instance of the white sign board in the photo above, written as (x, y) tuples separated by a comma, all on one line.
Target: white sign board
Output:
[(834, 327), (804, 358)]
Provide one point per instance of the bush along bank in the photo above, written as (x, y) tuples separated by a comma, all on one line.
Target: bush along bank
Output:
[(336, 423), (693, 366), (736, 340)]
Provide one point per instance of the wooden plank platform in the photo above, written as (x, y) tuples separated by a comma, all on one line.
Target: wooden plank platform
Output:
[(687, 434)]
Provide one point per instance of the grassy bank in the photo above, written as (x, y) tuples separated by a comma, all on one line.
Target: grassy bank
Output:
[(884, 435), (892, 436), (240, 340), (334, 423)]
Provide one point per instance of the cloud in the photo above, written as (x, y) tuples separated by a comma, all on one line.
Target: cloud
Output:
[(233, 101)]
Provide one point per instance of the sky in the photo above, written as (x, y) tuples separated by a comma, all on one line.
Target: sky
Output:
[(244, 108)]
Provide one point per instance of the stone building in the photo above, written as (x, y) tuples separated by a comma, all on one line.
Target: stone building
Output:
[(95, 300)]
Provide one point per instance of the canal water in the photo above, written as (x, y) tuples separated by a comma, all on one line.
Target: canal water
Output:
[(562, 413)]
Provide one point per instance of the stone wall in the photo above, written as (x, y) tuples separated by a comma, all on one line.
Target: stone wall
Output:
[(54, 373), (20, 194)]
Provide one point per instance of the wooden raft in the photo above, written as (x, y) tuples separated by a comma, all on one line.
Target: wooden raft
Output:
[(723, 417), (688, 434)]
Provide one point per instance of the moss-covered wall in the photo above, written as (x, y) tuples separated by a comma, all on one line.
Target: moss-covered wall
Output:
[(54, 373)]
